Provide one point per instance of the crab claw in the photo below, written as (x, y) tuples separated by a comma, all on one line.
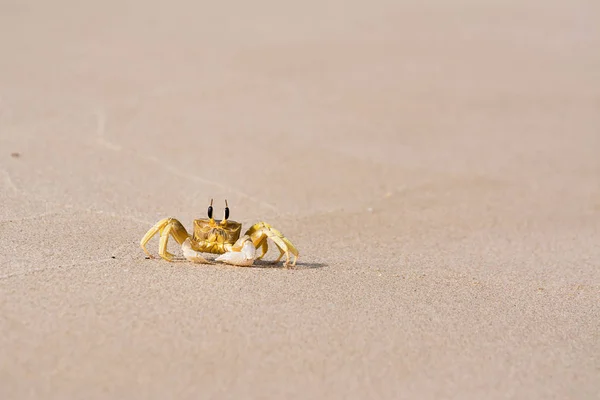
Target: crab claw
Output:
[(191, 254), (242, 258)]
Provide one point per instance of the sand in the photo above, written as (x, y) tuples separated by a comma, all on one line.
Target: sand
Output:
[(436, 164)]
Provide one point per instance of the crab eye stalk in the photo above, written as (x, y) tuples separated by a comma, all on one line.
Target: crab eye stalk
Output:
[(210, 210), (226, 210)]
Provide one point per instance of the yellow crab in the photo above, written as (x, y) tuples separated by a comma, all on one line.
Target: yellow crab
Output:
[(219, 237)]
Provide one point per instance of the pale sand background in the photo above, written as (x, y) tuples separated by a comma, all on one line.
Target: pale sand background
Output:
[(436, 163)]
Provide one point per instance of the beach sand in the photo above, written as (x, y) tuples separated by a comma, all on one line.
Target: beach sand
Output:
[(436, 164)]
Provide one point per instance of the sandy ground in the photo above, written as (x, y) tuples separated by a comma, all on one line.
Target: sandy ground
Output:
[(436, 163)]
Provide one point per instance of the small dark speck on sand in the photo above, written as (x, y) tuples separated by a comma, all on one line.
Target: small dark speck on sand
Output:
[(147, 258), (15, 155), (113, 257)]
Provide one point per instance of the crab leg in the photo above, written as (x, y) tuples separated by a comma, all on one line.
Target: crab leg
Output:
[(261, 231), (284, 250), (264, 248), (166, 227), (281, 254), (162, 244), (151, 232)]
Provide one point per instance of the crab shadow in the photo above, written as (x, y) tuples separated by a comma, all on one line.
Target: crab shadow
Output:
[(299, 265), (260, 264)]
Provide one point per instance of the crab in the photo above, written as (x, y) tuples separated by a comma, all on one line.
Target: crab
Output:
[(220, 237)]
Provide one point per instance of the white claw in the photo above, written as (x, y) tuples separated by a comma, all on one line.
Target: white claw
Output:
[(191, 254), (242, 258)]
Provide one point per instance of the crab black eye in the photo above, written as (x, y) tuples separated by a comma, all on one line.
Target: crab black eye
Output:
[(210, 210), (226, 210)]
